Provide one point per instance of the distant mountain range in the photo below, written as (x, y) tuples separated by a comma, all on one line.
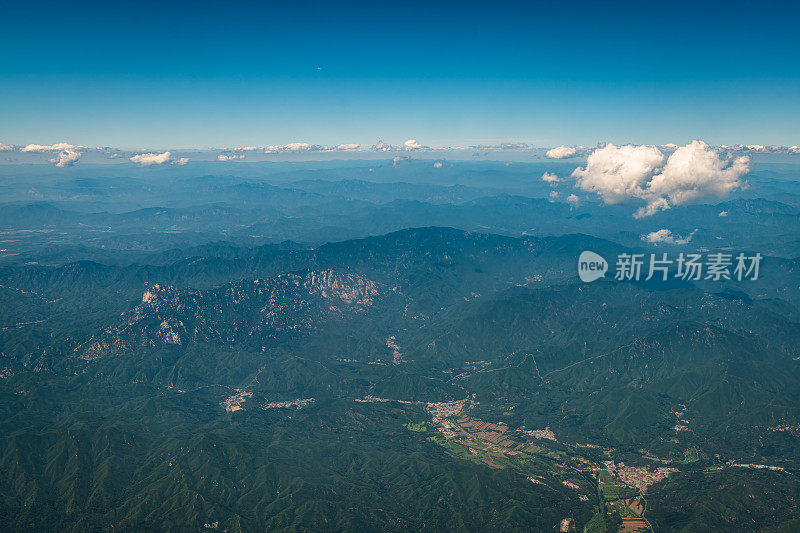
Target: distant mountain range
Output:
[(281, 357)]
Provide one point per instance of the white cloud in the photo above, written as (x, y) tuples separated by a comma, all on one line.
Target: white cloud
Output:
[(554, 195), (150, 158), (723, 214), (412, 144), (653, 206), (550, 178), (68, 154), (618, 173), (182, 161), (794, 149), (761, 149), (289, 147), (695, 171), (348, 147), (621, 173), (573, 200), (665, 236), (66, 158), (296, 146), (561, 152), (438, 164), (234, 157), (57, 147), (5, 147)]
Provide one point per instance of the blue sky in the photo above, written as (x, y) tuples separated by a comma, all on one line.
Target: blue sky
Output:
[(199, 74)]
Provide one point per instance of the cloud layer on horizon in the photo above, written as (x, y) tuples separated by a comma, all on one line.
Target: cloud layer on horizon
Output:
[(50, 147), (663, 176), (229, 157)]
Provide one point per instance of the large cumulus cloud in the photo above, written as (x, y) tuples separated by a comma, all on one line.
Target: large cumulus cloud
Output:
[(696, 170), (621, 173), (618, 173)]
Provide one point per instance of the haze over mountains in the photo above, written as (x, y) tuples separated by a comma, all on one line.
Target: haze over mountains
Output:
[(313, 345)]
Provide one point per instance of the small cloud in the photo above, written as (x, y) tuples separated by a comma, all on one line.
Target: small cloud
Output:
[(723, 214), (573, 201), (412, 144), (550, 178), (182, 161), (232, 157), (561, 152), (5, 147), (66, 158), (438, 164), (665, 236), (652, 207), (151, 158), (399, 159), (554, 195)]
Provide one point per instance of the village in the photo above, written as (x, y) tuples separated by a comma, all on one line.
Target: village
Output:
[(298, 403), (585, 469), (639, 478)]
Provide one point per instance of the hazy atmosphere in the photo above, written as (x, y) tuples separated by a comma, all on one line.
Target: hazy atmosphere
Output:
[(410, 267)]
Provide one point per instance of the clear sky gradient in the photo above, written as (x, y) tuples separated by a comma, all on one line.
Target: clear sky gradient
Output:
[(160, 75)]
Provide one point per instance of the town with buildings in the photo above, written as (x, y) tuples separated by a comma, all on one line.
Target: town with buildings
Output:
[(640, 478), (234, 402), (288, 404), (587, 471)]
